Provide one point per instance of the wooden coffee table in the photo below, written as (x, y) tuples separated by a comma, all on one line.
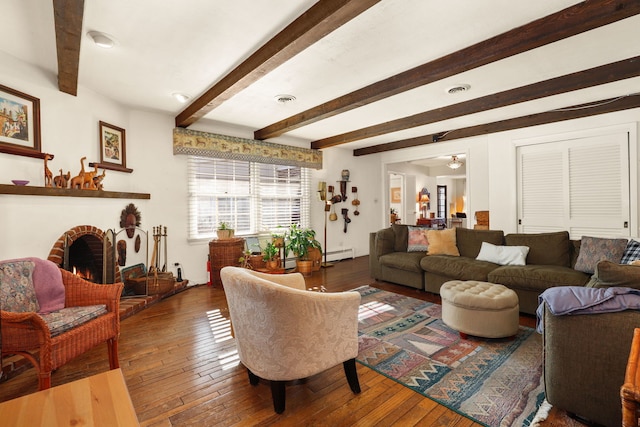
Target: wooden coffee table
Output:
[(100, 400)]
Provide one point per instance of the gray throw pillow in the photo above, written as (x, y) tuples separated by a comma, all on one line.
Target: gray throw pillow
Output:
[(596, 249)]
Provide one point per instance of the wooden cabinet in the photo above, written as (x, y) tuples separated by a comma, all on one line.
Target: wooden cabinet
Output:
[(222, 253)]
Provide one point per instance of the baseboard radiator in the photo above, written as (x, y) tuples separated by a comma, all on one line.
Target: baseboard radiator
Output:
[(340, 254), (332, 256)]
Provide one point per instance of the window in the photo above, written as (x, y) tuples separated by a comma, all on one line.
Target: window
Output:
[(250, 197), (442, 201)]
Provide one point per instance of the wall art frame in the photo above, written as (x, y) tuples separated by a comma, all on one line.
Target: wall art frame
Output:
[(19, 123), (396, 196), (113, 148)]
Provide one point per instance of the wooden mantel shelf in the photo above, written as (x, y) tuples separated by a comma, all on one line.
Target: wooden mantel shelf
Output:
[(67, 192)]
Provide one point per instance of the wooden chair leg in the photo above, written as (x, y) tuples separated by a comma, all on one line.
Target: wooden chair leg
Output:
[(352, 375), (253, 378), (278, 396), (112, 349)]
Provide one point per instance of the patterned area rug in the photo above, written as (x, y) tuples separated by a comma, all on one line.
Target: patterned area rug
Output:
[(495, 382)]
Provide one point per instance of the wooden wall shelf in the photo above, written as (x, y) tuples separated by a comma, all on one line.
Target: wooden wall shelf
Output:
[(67, 192), (110, 167)]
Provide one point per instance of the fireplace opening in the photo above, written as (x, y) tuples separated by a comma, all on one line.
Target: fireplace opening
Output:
[(89, 252), (85, 258)]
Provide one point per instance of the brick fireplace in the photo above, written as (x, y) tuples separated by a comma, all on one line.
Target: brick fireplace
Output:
[(81, 250)]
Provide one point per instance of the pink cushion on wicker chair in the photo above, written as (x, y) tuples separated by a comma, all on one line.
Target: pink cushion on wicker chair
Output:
[(47, 281)]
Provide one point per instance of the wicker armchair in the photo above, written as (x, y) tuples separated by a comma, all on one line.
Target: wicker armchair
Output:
[(28, 335)]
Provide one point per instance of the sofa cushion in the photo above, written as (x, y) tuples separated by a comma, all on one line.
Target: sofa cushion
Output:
[(503, 255), (544, 248), (17, 293), (401, 233), (409, 261), (537, 277), (458, 268), (612, 274), (469, 241), (631, 252), (596, 249), (68, 318), (442, 242), (417, 240)]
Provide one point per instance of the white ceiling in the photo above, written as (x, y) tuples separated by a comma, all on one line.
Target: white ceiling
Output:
[(186, 46)]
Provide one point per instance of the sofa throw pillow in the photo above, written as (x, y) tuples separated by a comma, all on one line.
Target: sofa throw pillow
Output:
[(17, 293), (609, 274), (442, 242), (417, 240), (631, 252), (503, 255), (596, 249)]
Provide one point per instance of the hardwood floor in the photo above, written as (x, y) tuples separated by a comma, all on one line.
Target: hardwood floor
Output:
[(181, 368)]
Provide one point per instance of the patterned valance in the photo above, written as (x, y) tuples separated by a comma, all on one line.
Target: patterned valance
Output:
[(205, 144)]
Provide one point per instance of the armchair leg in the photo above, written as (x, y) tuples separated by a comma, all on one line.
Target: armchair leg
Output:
[(45, 380), (112, 349), (352, 375), (253, 378), (278, 396)]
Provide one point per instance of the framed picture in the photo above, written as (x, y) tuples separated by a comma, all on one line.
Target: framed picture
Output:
[(112, 145), (19, 122), (395, 195)]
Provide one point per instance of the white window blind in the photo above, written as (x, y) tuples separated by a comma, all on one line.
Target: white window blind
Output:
[(250, 197), (580, 185)]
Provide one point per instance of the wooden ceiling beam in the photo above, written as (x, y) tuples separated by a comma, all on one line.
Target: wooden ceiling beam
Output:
[(68, 15), (558, 115), (314, 24), (608, 73), (576, 19)]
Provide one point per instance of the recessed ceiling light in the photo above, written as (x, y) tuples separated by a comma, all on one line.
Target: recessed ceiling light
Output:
[(181, 97), (283, 99), (101, 39), (458, 88)]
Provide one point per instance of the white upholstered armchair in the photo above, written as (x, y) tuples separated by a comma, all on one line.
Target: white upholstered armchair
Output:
[(284, 332)]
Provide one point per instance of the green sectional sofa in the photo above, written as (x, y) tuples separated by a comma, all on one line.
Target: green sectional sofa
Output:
[(549, 262)]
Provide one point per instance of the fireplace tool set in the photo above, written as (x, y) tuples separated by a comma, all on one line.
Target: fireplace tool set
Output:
[(159, 278)]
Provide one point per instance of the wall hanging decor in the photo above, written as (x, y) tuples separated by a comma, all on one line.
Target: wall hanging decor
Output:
[(112, 145), (19, 123)]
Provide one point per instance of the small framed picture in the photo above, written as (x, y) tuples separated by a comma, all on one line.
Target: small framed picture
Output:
[(19, 121), (112, 145), (395, 195)]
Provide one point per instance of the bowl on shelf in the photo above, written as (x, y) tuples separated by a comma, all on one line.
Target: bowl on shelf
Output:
[(19, 182)]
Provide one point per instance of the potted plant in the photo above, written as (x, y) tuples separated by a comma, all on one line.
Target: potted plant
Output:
[(300, 242), (270, 255), (278, 239), (225, 231)]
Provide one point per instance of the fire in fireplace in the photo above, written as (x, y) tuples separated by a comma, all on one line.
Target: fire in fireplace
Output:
[(88, 252)]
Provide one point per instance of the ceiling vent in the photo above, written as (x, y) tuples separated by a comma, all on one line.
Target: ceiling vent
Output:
[(283, 99), (458, 88)]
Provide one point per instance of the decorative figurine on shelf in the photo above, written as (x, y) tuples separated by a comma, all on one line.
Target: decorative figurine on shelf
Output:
[(97, 180), (48, 175), (84, 180), (62, 181)]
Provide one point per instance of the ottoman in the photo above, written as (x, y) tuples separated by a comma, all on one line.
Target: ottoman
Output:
[(481, 309)]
